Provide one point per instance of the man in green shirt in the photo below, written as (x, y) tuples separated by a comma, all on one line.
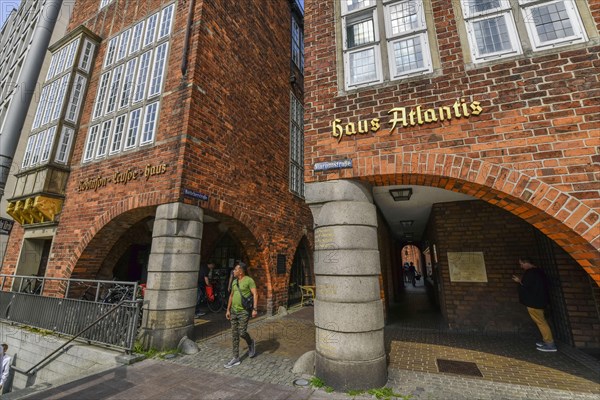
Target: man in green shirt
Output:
[(244, 286)]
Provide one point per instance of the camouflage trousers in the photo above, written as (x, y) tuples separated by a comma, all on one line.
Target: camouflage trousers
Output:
[(239, 325)]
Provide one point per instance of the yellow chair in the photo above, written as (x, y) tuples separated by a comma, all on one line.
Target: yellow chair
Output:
[(308, 293)]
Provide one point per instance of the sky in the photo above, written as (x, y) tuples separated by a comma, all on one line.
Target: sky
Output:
[(6, 7)]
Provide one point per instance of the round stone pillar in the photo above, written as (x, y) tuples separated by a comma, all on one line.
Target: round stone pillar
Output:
[(350, 351), (172, 275)]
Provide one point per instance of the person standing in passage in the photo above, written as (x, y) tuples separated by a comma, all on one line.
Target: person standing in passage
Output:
[(242, 285), (533, 294), (4, 368), (412, 273)]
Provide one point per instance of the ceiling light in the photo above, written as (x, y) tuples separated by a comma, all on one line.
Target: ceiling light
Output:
[(407, 223), (402, 194)]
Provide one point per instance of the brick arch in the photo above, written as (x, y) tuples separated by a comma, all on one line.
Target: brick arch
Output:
[(93, 243), (563, 218)]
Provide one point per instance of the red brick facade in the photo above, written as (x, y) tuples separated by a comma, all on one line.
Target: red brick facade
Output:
[(533, 150), (223, 131)]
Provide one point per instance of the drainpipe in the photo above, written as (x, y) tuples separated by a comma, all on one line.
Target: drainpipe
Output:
[(186, 44), (15, 117)]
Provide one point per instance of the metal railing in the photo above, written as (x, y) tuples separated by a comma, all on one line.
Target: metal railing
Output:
[(71, 316)]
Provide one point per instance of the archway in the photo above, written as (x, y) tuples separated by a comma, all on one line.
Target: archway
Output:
[(300, 274)]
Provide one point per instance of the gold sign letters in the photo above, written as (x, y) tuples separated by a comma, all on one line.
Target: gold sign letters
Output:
[(121, 177), (401, 116)]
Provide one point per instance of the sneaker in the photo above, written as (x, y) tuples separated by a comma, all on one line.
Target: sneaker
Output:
[(232, 363), (252, 349), (539, 344), (548, 347)]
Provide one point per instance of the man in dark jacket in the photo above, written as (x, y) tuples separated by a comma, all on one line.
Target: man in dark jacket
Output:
[(533, 293)]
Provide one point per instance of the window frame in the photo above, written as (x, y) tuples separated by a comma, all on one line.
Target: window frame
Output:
[(296, 166), (382, 47)]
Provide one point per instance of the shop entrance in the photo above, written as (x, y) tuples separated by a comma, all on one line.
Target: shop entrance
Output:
[(300, 275)]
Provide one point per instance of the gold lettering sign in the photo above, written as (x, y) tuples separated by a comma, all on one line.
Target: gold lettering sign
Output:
[(403, 117), (121, 177)]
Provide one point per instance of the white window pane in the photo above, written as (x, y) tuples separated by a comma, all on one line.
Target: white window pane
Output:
[(409, 55), (360, 32), (158, 69), (40, 108), (150, 30), (552, 22), (48, 144), (478, 6), (86, 58), (62, 56), (133, 128), (492, 35), (76, 96), (363, 67), (136, 38), (114, 89), (165, 21), (52, 68), (149, 123), (28, 151), (99, 105), (103, 140), (404, 17), (142, 76), (110, 51), (37, 148), (117, 137), (123, 43), (60, 97), (64, 146), (128, 81), (50, 102), (353, 5), (71, 55), (91, 143)]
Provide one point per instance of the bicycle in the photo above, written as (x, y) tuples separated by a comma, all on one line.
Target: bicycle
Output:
[(33, 286), (220, 301)]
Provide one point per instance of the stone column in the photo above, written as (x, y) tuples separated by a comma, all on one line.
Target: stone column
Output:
[(172, 275), (350, 351)]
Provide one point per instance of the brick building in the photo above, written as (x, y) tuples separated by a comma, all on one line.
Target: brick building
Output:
[(177, 139), (469, 129)]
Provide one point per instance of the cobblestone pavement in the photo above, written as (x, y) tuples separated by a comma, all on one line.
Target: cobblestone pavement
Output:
[(511, 367)]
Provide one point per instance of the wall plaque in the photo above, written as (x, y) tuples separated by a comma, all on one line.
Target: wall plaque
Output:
[(467, 267)]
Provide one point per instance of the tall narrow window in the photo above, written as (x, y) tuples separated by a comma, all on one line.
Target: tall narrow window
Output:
[(71, 54), (103, 139), (76, 96), (136, 38), (158, 69), (123, 43), (50, 102), (86, 58), (142, 76), (110, 51), (91, 143), (99, 105), (60, 97), (50, 134), (128, 81), (114, 89), (296, 146), (149, 123), (150, 30), (37, 149), (165, 21), (133, 128), (297, 44), (40, 108), (64, 145), (117, 137), (28, 151)]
